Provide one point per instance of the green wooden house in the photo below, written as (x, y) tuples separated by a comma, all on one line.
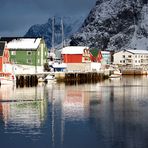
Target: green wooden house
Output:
[(28, 51)]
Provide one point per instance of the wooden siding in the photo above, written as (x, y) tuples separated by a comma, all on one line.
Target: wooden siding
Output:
[(35, 57), (72, 58), (1, 64)]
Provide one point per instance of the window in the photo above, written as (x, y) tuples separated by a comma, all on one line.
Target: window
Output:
[(129, 56), (120, 61), (29, 52), (13, 52), (29, 61), (123, 56), (123, 61)]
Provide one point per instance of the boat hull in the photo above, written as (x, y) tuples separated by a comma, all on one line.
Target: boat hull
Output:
[(4, 81), (114, 76)]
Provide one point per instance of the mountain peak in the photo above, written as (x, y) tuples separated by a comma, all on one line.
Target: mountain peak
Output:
[(45, 30), (114, 24)]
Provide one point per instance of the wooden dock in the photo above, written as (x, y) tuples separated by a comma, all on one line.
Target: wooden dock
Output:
[(32, 79), (81, 76)]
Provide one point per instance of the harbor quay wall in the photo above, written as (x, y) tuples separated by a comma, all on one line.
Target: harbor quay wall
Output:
[(26, 80), (32, 79), (134, 71), (81, 76)]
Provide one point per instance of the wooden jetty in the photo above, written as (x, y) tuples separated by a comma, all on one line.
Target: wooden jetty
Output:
[(32, 79), (26, 80), (80, 76)]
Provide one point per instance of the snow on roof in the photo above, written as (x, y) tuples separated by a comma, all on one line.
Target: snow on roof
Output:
[(138, 51), (24, 43), (73, 50), (105, 52)]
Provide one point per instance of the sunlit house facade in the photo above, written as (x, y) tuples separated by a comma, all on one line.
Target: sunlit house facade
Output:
[(131, 57)]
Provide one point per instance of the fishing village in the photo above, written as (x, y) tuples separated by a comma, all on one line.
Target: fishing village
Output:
[(26, 61), (74, 74)]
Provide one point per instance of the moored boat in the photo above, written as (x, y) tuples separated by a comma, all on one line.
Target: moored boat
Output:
[(50, 78), (116, 74), (7, 78)]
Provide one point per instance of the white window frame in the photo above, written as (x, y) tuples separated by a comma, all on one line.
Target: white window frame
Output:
[(29, 61), (13, 52)]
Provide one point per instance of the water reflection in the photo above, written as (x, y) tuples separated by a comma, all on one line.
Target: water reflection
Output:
[(122, 119), (22, 110), (109, 114), (75, 104)]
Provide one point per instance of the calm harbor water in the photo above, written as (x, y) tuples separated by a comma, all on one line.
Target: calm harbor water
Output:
[(108, 114)]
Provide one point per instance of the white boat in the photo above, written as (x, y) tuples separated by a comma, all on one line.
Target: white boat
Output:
[(7, 78), (116, 74), (50, 78)]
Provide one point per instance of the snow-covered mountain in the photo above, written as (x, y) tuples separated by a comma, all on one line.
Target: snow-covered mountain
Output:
[(115, 24), (70, 24)]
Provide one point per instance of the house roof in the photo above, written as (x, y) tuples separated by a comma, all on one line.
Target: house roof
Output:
[(2, 46), (9, 39), (73, 50), (138, 51), (24, 43), (105, 52), (94, 52)]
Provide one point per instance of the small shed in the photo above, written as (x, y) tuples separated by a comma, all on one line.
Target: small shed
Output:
[(75, 54)]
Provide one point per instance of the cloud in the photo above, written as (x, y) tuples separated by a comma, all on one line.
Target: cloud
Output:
[(17, 15)]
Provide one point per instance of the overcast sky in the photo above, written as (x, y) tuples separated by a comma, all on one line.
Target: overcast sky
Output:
[(16, 16)]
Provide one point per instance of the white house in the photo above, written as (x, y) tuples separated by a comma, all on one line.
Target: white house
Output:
[(131, 57)]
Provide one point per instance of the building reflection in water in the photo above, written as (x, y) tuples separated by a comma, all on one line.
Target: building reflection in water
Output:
[(121, 117), (73, 103), (115, 109), (112, 113), (23, 109)]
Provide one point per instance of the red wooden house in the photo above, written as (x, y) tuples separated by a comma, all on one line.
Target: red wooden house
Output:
[(75, 54), (4, 55)]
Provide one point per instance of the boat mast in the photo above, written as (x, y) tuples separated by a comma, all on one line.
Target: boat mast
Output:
[(53, 34), (51, 54), (62, 31)]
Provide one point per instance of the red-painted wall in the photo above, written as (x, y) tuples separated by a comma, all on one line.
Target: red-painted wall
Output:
[(6, 56), (72, 58), (1, 64)]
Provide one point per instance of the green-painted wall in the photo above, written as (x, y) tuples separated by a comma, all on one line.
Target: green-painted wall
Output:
[(38, 57)]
